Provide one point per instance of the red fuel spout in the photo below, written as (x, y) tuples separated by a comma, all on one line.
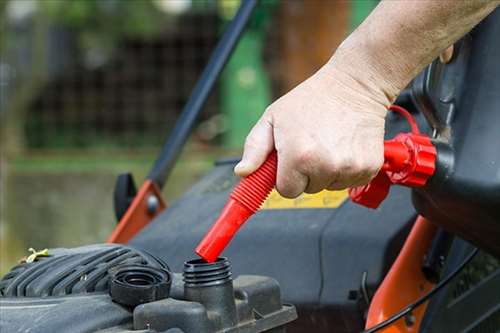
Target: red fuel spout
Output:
[(244, 201), (409, 159)]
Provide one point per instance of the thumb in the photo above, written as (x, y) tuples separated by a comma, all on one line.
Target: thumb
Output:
[(258, 144)]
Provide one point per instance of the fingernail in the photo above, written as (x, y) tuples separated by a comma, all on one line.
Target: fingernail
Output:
[(241, 166)]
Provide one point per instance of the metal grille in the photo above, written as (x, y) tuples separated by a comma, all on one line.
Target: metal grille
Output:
[(78, 94), (131, 99)]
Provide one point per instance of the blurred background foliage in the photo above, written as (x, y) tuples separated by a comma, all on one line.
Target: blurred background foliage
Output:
[(104, 23), (91, 88)]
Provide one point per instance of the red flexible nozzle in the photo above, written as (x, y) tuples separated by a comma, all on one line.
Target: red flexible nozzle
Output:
[(244, 201)]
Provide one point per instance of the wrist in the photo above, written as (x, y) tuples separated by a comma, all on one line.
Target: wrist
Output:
[(354, 85), (381, 72)]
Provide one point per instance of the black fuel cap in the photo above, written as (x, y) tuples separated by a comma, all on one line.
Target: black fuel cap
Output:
[(133, 284)]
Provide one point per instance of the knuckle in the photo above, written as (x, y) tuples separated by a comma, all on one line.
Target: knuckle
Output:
[(305, 156), (317, 183), (337, 185), (359, 165), (291, 185), (313, 190), (288, 190), (348, 164), (330, 166)]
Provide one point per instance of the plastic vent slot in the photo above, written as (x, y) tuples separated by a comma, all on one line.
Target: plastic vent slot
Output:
[(470, 304), (490, 325), (71, 271), (478, 270)]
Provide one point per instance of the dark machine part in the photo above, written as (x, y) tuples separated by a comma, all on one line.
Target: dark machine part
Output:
[(461, 100), (471, 303), (71, 289), (81, 270), (325, 260), (322, 258), (212, 286), (132, 285), (207, 301), (124, 193), (436, 255)]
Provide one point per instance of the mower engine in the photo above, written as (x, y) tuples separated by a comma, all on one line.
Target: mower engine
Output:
[(115, 288)]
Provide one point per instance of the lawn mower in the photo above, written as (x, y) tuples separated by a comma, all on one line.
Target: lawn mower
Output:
[(422, 256)]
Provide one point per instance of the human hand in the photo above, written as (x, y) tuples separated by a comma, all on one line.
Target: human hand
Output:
[(328, 133)]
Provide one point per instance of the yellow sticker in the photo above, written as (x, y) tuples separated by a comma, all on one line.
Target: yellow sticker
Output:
[(323, 199)]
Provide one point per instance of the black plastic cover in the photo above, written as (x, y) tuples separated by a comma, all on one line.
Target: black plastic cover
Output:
[(255, 299), (471, 302), (462, 101), (71, 271), (76, 313)]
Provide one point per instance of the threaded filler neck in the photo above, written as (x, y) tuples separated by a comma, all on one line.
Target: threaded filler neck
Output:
[(199, 273)]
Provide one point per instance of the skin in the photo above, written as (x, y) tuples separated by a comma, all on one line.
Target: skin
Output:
[(329, 130)]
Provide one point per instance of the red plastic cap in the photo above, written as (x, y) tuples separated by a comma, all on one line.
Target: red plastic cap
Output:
[(421, 163), (372, 194), (409, 160), (244, 201)]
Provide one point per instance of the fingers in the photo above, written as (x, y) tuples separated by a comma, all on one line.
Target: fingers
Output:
[(326, 133), (290, 182), (349, 178), (357, 172), (306, 165), (321, 179), (312, 170), (258, 145)]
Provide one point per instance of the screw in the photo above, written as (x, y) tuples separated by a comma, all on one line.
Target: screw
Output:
[(152, 204)]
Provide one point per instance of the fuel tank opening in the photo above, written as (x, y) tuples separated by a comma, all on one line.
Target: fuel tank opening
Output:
[(200, 273), (211, 285)]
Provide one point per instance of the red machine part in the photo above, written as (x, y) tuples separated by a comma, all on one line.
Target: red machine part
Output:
[(409, 160), (404, 283), (139, 214)]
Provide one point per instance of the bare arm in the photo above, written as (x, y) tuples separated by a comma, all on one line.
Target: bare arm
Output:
[(329, 130), (399, 38)]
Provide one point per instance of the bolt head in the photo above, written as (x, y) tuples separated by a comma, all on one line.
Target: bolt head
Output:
[(153, 204)]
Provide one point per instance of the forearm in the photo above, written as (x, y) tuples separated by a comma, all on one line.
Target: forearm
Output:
[(400, 38)]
